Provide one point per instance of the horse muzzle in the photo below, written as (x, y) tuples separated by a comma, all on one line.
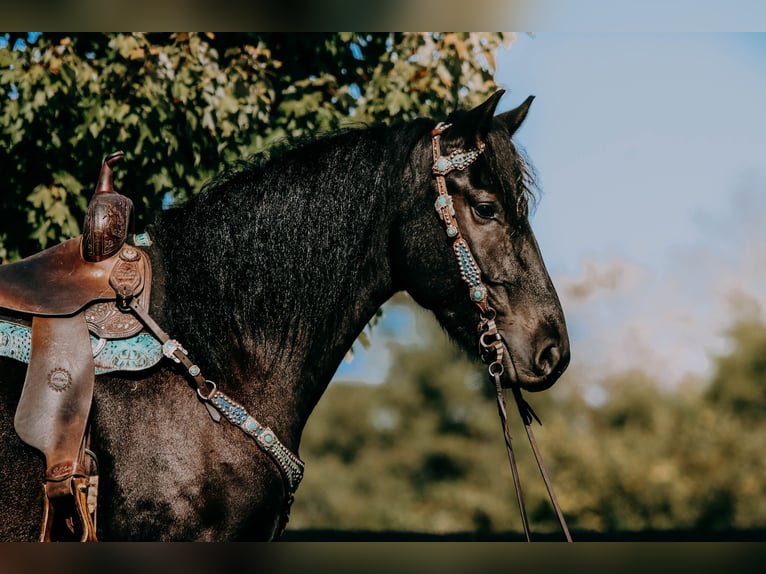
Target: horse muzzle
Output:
[(537, 370)]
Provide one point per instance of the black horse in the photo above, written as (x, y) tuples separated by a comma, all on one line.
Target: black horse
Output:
[(267, 278)]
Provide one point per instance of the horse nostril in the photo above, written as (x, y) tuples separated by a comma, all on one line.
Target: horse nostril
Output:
[(547, 359)]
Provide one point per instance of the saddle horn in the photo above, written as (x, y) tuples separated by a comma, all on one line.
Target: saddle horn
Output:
[(109, 216)]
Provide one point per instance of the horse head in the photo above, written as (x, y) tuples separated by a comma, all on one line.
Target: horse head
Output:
[(484, 200)]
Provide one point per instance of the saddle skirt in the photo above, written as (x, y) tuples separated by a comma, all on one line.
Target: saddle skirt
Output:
[(58, 281)]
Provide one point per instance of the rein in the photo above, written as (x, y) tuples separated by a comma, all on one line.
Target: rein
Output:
[(491, 347)]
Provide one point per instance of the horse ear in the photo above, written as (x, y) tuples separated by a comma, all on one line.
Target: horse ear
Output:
[(481, 116), (479, 119), (514, 118)]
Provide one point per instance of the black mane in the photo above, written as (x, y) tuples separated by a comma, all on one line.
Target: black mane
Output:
[(312, 207)]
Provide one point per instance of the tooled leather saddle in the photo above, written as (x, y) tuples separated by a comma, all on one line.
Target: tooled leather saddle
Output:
[(73, 292)]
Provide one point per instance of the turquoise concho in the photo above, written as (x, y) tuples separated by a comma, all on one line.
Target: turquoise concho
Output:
[(443, 166), (458, 159), (444, 202), (478, 293)]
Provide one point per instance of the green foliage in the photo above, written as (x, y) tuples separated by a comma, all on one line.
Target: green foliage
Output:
[(182, 105), (424, 451), (739, 385)]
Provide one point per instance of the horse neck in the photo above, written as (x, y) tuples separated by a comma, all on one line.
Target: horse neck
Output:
[(275, 301)]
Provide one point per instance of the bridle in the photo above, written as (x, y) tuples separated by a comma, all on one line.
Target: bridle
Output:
[(491, 346)]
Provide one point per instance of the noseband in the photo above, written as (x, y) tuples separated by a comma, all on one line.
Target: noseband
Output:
[(491, 347)]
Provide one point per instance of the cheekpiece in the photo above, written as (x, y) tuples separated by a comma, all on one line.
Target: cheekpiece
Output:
[(458, 159), (469, 271)]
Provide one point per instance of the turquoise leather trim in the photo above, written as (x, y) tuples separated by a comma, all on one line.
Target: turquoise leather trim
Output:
[(15, 341), (136, 353)]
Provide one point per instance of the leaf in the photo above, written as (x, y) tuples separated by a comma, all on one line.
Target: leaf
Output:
[(364, 339), (186, 102)]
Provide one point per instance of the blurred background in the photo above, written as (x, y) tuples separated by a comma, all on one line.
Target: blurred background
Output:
[(650, 154)]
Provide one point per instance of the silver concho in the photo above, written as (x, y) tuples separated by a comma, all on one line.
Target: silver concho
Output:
[(444, 202)]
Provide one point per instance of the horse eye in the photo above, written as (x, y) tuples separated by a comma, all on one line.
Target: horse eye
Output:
[(485, 210)]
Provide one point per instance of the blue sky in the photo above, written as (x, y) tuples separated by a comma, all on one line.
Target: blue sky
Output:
[(639, 135), (655, 15), (651, 153), (651, 150)]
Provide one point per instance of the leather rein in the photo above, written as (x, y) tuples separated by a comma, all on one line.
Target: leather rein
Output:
[(491, 346)]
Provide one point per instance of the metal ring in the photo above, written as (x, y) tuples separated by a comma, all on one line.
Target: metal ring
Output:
[(489, 314), (210, 394), (496, 369), (496, 339)]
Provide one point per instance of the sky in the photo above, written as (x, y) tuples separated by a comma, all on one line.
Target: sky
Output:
[(632, 16), (650, 150)]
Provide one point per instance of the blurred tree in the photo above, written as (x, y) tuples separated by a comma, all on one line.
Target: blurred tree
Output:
[(423, 451), (739, 382), (180, 105), (428, 452)]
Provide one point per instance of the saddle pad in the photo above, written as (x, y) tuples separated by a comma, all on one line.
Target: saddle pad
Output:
[(135, 353)]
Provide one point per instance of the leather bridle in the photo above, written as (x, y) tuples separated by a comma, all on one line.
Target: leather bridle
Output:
[(491, 345)]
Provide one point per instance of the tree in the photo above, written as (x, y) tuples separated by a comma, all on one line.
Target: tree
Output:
[(739, 383), (182, 105), (423, 451)]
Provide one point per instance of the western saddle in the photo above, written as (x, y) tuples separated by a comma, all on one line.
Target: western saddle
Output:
[(78, 287)]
